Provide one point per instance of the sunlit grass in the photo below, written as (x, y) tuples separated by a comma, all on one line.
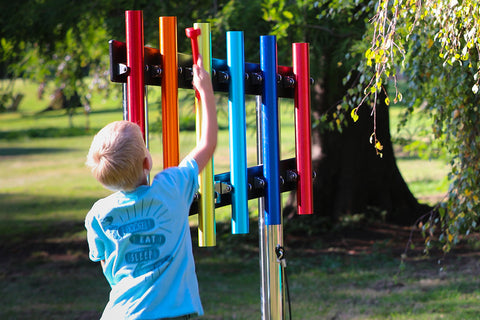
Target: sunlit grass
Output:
[(425, 173)]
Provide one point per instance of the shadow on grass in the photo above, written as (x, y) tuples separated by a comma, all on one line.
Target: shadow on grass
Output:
[(46, 133), (44, 266), (54, 132), (23, 206), (33, 226), (17, 151)]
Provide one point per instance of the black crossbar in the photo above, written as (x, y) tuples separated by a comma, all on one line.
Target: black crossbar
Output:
[(220, 73)]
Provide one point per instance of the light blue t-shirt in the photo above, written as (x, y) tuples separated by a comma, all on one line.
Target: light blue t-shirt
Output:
[(144, 238)]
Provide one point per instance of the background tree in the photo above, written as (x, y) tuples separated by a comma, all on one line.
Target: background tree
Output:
[(65, 41), (436, 44), (54, 41)]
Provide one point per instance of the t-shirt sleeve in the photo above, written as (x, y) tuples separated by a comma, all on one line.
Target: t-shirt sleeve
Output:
[(95, 243), (180, 182), (189, 169)]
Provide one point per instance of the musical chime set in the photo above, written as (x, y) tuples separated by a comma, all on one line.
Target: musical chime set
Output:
[(137, 66)]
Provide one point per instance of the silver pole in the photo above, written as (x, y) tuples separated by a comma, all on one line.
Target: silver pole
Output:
[(125, 101), (147, 139), (263, 253), (272, 288), (275, 272)]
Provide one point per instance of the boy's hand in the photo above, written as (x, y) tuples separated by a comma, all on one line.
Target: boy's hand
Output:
[(201, 78), (209, 127)]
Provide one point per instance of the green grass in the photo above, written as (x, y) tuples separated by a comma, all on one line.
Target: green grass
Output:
[(425, 172), (45, 191)]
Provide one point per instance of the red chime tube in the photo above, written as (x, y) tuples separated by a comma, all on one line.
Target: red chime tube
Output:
[(301, 69), (135, 63)]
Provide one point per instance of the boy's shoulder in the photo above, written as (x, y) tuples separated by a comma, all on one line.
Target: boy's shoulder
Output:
[(105, 204), (188, 164)]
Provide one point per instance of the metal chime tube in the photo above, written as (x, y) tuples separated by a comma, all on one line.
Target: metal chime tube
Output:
[(303, 142), (170, 126), (135, 62), (206, 212), (237, 132)]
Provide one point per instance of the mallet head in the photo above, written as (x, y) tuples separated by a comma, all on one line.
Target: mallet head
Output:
[(193, 34)]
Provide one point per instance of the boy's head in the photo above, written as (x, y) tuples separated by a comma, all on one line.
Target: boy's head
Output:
[(118, 157)]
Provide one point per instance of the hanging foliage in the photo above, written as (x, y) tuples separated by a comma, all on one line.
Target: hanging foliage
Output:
[(436, 45)]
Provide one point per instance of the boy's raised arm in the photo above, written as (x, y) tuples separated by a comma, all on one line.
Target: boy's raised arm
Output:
[(208, 138)]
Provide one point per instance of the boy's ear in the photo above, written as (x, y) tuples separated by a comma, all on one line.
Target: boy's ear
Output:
[(147, 162)]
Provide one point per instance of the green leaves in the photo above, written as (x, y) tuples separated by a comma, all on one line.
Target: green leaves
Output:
[(288, 15), (435, 43)]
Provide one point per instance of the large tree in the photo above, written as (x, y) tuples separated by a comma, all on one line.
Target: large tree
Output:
[(436, 44)]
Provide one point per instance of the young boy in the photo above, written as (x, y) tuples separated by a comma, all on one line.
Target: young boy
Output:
[(140, 234)]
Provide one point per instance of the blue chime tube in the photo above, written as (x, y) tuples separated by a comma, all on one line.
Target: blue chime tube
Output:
[(270, 138), (237, 132)]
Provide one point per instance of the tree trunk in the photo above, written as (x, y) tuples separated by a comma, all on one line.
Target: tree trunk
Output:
[(350, 177)]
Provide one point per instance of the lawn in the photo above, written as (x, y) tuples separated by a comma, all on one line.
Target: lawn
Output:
[(355, 273)]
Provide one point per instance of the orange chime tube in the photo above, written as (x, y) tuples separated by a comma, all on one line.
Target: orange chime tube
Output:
[(170, 126)]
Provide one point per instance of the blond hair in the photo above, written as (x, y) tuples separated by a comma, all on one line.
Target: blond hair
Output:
[(117, 155)]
